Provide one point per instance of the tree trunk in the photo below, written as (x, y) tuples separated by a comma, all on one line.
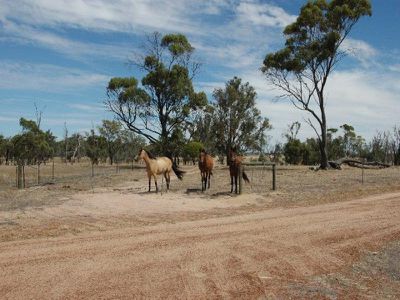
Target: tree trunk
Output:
[(323, 140)]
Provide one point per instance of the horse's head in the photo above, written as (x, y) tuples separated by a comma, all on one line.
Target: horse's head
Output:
[(202, 155), (140, 154), (232, 155)]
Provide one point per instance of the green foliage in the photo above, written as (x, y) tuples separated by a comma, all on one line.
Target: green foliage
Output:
[(312, 50), (191, 151), (293, 151), (236, 121), (95, 147), (111, 131), (32, 145), (167, 99)]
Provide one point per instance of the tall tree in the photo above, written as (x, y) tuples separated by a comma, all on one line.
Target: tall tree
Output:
[(166, 98), (95, 147), (236, 120), (33, 145), (111, 131), (312, 51)]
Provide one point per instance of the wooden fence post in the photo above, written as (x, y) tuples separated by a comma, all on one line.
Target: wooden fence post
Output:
[(52, 171), (38, 174), (19, 176), (23, 176), (273, 177), (362, 175)]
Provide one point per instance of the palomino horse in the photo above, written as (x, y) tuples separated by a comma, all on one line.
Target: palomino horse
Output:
[(160, 165), (206, 164), (235, 162)]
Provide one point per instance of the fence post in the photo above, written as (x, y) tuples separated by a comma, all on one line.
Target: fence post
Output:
[(23, 176), (19, 176), (241, 168), (273, 177), (362, 175), (52, 170), (38, 173)]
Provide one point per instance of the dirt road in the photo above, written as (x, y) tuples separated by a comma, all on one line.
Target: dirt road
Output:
[(273, 253)]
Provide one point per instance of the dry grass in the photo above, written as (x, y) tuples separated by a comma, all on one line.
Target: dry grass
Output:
[(296, 185)]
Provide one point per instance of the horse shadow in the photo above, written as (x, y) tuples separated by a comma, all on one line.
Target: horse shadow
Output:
[(221, 194), (194, 190)]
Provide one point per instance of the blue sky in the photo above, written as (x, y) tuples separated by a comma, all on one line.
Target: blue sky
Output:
[(60, 54)]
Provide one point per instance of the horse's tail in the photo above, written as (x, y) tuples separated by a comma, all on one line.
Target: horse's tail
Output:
[(178, 173), (245, 177)]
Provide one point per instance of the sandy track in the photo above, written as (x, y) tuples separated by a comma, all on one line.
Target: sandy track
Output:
[(251, 255)]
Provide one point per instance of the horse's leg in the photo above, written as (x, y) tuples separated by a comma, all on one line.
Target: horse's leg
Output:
[(209, 178), (236, 178), (149, 182), (231, 183), (166, 175), (155, 180)]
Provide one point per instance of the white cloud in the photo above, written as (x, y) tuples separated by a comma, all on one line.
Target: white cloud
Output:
[(24, 34), (360, 50), (101, 15), (87, 107), (44, 77), (367, 100), (263, 14)]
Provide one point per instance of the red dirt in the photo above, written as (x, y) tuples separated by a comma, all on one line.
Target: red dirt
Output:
[(272, 253)]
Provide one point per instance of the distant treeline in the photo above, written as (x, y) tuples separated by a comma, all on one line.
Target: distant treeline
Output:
[(344, 142), (110, 143)]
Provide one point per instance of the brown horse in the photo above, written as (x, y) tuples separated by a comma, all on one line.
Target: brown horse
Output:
[(160, 165), (235, 162), (206, 164)]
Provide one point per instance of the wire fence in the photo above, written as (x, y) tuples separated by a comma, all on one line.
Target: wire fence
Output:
[(262, 177), (287, 178), (51, 173)]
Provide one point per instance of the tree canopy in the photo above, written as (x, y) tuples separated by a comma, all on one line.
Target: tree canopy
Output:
[(312, 50), (166, 97), (236, 120)]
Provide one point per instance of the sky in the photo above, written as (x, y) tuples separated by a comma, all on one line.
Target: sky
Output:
[(60, 54)]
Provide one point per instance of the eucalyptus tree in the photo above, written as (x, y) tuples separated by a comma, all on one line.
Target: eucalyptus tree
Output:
[(236, 120), (111, 131), (166, 98), (95, 148), (312, 51), (32, 145)]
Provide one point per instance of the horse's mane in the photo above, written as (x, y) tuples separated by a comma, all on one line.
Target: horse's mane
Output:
[(151, 156)]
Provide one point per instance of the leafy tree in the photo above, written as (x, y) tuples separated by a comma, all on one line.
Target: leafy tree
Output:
[(131, 144), (396, 145), (311, 155), (312, 50), (236, 120), (293, 151), (33, 145), (191, 151), (166, 99), (201, 128), (2, 148), (294, 148), (95, 148), (111, 131)]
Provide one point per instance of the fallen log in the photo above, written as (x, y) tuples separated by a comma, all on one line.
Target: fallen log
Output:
[(337, 164)]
